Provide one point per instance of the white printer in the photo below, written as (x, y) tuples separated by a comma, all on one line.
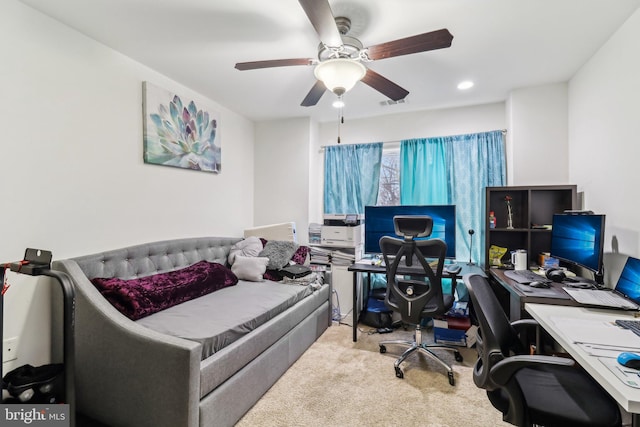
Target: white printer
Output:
[(343, 230), (341, 235)]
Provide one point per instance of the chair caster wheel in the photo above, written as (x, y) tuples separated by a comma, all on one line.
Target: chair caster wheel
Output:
[(458, 356), (399, 373), (383, 349), (452, 381)]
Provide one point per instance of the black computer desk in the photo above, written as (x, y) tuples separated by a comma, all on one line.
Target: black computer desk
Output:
[(518, 298), (367, 266)]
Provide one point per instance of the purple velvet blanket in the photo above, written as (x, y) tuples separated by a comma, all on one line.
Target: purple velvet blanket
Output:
[(137, 298)]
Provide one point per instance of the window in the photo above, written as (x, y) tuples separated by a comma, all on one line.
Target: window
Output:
[(389, 189), (368, 174)]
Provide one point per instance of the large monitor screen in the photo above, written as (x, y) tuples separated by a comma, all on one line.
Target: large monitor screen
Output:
[(378, 222), (578, 239)]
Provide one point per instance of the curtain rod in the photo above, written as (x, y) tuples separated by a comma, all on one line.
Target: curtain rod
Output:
[(322, 147)]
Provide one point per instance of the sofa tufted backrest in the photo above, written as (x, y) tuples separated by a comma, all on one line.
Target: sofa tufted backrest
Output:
[(156, 257)]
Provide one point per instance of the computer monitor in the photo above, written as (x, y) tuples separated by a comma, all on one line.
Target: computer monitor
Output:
[(378, 222), (578, 239)]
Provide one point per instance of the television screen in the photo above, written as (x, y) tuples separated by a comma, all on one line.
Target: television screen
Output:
[(378, 222), (578, 239)]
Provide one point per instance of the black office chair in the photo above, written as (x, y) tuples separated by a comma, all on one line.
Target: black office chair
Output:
[(415, 299), (531, 389)]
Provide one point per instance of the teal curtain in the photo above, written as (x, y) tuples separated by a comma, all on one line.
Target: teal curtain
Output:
[(454, 170), (475, 161), (423, 172), (351, 177)]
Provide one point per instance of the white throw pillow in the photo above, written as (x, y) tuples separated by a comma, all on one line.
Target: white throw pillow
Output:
[(251, 246), (250, 268)]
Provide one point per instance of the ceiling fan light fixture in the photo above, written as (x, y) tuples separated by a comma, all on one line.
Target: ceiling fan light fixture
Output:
[(340, 75)]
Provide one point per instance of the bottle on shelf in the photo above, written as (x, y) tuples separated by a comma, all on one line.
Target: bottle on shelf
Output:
[(492, 220)]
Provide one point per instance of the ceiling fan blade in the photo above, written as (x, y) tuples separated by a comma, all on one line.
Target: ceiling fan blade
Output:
[(321, 17), (384, 86), (314, 94), (254, 65), (422, 42)]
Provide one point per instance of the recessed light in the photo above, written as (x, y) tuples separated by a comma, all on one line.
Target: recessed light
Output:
[(467, 84), (338, 103)]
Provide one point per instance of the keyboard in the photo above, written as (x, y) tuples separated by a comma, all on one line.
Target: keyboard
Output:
[(632, 325)]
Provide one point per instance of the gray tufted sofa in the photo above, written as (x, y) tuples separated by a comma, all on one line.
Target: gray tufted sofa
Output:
[(130, 375)]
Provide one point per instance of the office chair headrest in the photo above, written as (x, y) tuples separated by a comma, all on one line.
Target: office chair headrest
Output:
[(412, 226)]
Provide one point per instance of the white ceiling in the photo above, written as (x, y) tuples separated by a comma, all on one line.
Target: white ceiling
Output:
[(499, 44)]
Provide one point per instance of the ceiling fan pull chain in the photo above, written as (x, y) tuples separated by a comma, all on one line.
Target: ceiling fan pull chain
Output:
[(340, 121)]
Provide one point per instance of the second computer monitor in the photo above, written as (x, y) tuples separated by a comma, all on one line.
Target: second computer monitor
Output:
[(579, 239)]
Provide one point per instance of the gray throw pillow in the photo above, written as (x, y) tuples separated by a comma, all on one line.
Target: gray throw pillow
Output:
[(279, 253)]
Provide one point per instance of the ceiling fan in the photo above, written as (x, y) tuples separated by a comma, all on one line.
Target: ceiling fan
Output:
[(340, 54)]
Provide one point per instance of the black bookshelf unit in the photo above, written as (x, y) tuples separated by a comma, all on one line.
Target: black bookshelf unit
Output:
[(533, 208)]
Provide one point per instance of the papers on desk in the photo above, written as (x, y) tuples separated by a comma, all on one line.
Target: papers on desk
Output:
[(603, 350), (603, 340), (597, 332), (630, 377), (320, 255), (342, 256)]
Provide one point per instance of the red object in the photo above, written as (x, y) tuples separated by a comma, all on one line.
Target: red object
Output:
[(460, 323), (5, 285)]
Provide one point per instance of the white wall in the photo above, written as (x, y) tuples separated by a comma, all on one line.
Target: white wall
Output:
[(72, 173), (537, 152), (282, 173), (604, 130), (420, 124)]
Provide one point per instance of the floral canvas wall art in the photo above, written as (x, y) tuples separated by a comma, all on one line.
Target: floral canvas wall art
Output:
[(179, 132)]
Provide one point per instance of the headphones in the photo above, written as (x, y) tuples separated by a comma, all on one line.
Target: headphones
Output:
[(555, 275)]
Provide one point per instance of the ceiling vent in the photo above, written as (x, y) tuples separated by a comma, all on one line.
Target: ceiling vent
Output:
[(389, 102)]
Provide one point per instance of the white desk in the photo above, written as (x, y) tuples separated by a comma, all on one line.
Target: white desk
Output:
[(627, 397)]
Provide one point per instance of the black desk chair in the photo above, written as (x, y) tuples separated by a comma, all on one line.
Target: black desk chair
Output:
[(416, 299), (531, 389)]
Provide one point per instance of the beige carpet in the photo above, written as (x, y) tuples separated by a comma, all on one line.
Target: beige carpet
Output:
[(337, 382)]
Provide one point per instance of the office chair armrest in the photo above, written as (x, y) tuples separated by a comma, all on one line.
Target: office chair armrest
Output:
[(502, 371), (526, 328), (524, 323)]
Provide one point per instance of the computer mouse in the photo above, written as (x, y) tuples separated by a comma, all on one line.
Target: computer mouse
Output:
[(629, 360), (538, 284)]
